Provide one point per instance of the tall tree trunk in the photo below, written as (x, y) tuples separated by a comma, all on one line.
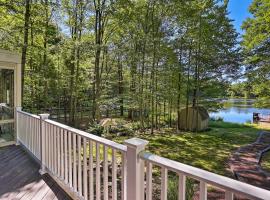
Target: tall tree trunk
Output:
[(152, 88), (99, 30), (32, 71), (45, 62), (25, 42), (179, 89), (120, 86), (188, 84), (77, 60), (133, 73)]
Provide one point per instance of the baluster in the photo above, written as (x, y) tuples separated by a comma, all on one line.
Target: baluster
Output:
[(47, 144), (54, 151), (62, 154), (105, 171), (149, 181), (182, 187), (124, 177), (97, 171), (203, 190), (65, 154), (33, 136), (85, 193), (114, 175), (164, 183), (228, 195), (29, 134), (26, 132), (79, 165), (39, 136), (20, 127), (50, 146), (36, 138), (58, 135), (91, 182), (45, 134), (74, 163), (70, 159)]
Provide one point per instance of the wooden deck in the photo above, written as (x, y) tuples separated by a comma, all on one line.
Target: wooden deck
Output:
[(20, 179)]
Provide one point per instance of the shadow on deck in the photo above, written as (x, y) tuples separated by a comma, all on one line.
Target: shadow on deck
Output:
[(20, 179)]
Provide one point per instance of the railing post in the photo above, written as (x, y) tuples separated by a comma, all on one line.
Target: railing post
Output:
[(135, 169), (42, 139), (17, 128)]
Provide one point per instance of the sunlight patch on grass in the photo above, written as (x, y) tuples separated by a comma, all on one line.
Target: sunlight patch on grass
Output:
[(208, 150)]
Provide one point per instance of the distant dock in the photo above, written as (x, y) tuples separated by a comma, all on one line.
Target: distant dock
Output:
[(261, 118)]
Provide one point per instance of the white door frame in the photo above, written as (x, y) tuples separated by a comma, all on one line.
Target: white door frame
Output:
[(12, 61)]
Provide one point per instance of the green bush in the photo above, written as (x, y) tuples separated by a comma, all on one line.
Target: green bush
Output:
[(95, 129), (121, 130), (217, 119)]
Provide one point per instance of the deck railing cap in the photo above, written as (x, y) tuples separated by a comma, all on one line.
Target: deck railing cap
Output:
[(18, 108), (136, 143), (44, 116)]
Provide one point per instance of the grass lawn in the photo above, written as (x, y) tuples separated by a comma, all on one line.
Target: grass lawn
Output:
[(265, 162), (208, 150)]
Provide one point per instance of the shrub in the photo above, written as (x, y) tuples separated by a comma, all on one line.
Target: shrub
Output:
[(95, 129), (217, 119), (121, 130)]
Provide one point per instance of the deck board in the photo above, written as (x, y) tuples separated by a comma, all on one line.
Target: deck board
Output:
[(20, 179)]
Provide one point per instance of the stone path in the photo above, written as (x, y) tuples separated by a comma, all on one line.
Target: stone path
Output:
[(245, 162), (245, 165)]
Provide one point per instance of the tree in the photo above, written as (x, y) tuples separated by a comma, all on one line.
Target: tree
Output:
[(256, 45)]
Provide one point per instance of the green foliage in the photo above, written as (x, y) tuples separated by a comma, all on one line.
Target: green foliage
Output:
[(217, 119), (256, 46), (137, 59), (95, 129), (265, 162), (211, 148), (121, 130)]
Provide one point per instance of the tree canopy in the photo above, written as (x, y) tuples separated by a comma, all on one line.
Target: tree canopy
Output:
[(256, 47), (143, 59)]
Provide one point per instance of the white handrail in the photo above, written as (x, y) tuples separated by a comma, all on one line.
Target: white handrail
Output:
[(28, 114), (222, 182), (28, 132), (95, 138)]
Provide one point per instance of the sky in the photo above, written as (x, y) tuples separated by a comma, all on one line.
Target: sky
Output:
[(239, 12)]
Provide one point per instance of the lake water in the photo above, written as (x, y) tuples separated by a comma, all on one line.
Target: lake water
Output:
[(238, 111)]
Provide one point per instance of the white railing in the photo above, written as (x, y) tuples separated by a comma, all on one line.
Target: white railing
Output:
[(87, 166), (28, 126), (91, 167), (229, 186)]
